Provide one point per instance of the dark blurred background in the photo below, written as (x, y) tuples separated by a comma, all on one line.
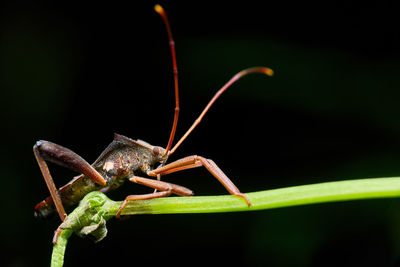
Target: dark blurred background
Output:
[(75, 72)]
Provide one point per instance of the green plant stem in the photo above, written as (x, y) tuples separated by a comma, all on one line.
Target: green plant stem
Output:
[(57, 258), (102, 207), (268, 199)]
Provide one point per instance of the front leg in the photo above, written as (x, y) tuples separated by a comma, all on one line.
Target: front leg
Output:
[(197, 161)]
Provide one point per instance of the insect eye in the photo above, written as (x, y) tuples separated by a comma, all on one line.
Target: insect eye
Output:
[(156, 150)]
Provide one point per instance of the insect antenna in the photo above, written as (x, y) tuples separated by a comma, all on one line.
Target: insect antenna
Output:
[(236, 77), (163, 15), (168, 150)]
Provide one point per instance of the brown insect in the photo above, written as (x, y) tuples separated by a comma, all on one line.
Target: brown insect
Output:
[(125, 159)]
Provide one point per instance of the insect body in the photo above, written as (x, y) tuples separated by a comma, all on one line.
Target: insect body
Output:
[(120, 160), (126, 159)]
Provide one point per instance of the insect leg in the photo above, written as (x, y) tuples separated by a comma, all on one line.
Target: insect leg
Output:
[(165, 189), (67, 158), (47, 151), (162, 186), (141, 197), (197, 161), (50, 183)]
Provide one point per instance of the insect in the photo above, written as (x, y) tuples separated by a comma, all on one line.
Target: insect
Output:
[(127, 159)]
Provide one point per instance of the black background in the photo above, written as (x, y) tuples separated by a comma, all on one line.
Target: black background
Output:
[(75, 72)]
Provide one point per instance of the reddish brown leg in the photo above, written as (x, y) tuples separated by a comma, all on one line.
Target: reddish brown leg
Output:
[(165, 189), (67, 158), (56, 235), (50, 184), (197, 161), (141, 197), (45, 150), (158, 179), (162, 186)]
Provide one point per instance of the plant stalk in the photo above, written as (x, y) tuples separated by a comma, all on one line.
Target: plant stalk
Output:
[(96, 208)]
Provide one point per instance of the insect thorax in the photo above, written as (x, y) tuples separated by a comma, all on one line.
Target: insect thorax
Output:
[(125, 161)]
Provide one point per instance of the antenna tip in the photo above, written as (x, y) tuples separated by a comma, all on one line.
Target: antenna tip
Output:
[(268, 71), (159, 9)]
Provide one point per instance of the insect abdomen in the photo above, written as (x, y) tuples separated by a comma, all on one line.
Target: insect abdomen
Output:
[(70, 195)]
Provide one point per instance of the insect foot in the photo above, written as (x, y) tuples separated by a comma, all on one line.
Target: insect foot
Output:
[(244, 197)]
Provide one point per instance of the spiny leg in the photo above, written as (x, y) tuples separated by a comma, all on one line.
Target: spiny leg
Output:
[(197, 161), (165, 189)]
